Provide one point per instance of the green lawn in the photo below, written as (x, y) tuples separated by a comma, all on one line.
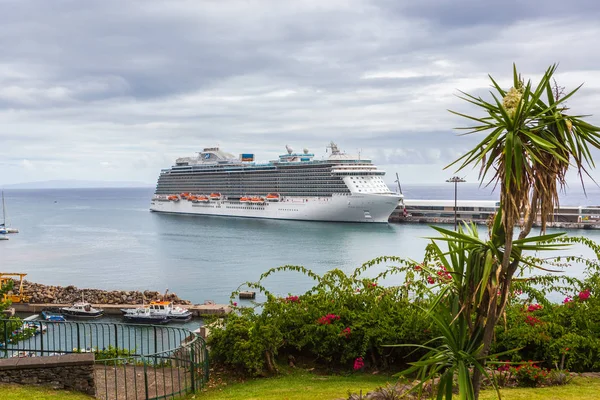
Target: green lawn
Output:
[(296, 386), (18, 392), (306, 386)]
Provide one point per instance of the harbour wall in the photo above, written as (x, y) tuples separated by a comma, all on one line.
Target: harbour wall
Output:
[(197, 310), (47, 296), (51, 294)]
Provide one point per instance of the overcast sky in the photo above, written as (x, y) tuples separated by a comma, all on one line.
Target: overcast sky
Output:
[(116, 90)]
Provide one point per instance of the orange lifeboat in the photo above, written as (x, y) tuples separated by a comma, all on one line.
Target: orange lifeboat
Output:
[(202, 198), (257, 200), (245, 200), (273, 197), (184, 195), (193, 198), (173, 198), (215, 196)]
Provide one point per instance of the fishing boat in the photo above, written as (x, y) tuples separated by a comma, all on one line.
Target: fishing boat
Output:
[(163, 308), (82, 309), (144, 316)]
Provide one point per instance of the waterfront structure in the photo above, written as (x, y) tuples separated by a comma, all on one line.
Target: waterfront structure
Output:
[(416, 210), (296, 186)]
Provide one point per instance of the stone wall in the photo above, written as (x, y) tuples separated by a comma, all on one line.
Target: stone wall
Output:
[(69, 294), (71, 372)]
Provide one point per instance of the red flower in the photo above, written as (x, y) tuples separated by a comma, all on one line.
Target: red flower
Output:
[(532, 320), (534, 307), (584, 295), (327, 319), (292, 299), (346, 332), (567, 299), (430, 280), (418, 267), (235, 304)]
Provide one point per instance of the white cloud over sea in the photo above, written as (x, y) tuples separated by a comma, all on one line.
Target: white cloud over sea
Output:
[(116, 90)]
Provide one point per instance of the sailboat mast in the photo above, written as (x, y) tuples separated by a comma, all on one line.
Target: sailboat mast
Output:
[(3, 211)]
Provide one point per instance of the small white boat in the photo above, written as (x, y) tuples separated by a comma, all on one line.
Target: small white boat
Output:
[(144, 316), (2, 237), (82, 309), (162, 309)]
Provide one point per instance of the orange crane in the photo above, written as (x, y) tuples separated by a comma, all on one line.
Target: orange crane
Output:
[(15, 298)]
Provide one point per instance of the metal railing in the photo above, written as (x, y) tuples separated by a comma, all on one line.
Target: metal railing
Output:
[(131, 361)]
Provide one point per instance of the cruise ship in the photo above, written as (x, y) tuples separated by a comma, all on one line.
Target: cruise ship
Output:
[(340, 187)]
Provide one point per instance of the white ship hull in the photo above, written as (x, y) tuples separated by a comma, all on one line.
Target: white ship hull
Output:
[(338, 208)]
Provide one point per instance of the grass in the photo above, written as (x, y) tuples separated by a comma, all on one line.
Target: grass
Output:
[(19, 392), (579, 389), (307, 386), (299, 385)]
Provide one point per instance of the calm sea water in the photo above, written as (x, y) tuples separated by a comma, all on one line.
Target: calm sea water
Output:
[(107, 238)]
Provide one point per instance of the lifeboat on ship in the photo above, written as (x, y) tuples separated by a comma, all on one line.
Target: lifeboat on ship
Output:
[(173, 198), (184, 195), (244, 199), (193, 199), (215, 196), (202, 198), (273, 197), (257, 200)]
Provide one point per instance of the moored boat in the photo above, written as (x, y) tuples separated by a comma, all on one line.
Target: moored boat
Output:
[(144, 316), (82, 309), (51, 317), (162, 308), (339, 188)]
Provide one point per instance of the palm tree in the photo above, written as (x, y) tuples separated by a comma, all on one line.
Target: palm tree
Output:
[(530, 144)]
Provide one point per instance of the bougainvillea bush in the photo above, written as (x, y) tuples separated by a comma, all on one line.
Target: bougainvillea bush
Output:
[(347, 321)]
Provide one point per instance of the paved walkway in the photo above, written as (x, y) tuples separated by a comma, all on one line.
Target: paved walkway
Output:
[(129, 382)]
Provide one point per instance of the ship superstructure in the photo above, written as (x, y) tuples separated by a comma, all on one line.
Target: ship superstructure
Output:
[(341, 187)]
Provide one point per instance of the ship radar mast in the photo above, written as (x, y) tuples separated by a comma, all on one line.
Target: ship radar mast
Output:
[(334, 148)]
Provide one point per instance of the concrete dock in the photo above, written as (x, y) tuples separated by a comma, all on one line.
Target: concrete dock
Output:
[(198, 310)]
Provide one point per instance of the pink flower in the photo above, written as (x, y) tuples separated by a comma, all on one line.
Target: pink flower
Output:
[(292, 299), (584, 295), (346, 332), (328, 319), (373, 284), (430, 280), (534, 307), (567, 299), (358, 363), (234, 304)]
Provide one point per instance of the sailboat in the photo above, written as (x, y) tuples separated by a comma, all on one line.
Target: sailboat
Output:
[(3, 229)]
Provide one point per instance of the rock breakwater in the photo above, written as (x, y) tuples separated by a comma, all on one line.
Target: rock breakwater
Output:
[(49, 294)]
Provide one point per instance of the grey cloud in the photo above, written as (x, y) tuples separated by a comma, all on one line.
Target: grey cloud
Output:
[(132, 85)]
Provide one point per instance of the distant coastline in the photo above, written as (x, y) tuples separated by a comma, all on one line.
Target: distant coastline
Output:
[(77, 184)]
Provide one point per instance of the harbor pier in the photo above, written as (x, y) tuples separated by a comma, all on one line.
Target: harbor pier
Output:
[(481, 211), (198, 310)]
